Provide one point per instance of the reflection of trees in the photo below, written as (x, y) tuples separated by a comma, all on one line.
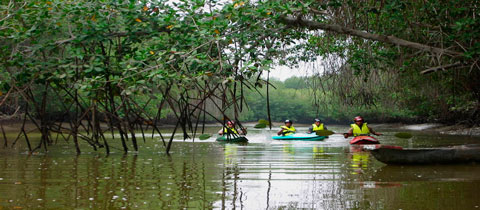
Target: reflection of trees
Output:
[(330, 185), (428, 186), (230, 177), (186, 184), (269, 184), (112, 182), (324, 179)]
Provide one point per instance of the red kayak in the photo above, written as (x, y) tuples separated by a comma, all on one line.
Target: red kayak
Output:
[(364, 140)]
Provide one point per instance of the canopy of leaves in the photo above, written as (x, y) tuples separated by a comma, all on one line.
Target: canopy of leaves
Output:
[(98, 58)]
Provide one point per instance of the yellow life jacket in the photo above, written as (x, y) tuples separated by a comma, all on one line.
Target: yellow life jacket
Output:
[(288, 131), (229, 130), (357, 131), (317, 128)]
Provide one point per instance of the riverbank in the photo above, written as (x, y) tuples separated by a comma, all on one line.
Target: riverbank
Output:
[(458, 129), (10, 125)]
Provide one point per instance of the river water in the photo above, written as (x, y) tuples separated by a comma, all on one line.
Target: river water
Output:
[(263, 174)]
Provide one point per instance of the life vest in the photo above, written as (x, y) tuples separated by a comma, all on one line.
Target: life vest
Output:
[(229, 130), (288, 131), (357, 131), (317, 128)]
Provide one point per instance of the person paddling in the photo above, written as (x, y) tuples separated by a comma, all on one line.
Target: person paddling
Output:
[(360, 128), (230, 129), (287, 129), (317, 126)]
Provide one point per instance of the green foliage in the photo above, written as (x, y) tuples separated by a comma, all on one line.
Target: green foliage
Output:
[(263, 121), (296, 83), (300, 105), (285, 103), (260, 125), (204, 136), (110, 52), (403, 135)]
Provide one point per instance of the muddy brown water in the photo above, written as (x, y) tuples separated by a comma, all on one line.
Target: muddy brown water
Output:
[(262, 174)]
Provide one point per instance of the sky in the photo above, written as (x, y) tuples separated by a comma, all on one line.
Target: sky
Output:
[(284, 72), (304, 69)]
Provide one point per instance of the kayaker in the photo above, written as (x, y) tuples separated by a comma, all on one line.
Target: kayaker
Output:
[(287, 129), (230, 129), (317, 126), (360, 128)]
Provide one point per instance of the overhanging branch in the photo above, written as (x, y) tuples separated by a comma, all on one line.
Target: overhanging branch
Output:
[(313, 25), (438, 68)]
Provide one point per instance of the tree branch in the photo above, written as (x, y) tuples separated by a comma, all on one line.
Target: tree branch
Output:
[(437, 68), (313, 25)]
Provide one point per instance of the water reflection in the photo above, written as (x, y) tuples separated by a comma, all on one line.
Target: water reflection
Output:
[(435, 173), (259, 175), (318, 152), (359, 159), (122, 182)]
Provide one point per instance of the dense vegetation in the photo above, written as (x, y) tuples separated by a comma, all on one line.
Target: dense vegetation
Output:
[(116, 62), (296, 100)]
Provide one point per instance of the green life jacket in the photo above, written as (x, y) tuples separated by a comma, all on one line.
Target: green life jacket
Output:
[(288, 131), (317, 128), (357, 131)]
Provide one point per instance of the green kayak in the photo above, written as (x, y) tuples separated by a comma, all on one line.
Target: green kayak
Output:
[(300, 137), (232, 139)]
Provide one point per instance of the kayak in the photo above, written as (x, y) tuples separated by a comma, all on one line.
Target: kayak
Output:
[(232, 139), (442, 155), (364, 140), (300, 137)]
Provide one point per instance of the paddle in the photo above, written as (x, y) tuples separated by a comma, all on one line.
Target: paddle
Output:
[(324, 133)]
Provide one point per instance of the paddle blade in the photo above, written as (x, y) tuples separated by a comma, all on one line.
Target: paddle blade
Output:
[(204, 136), (260, 125), (324, 133), (403, 135)]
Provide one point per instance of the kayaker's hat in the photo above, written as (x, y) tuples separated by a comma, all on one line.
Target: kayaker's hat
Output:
[(288, 121), (358, 118), (230, 122), (317, 120)]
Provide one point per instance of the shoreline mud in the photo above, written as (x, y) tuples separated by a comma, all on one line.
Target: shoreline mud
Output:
[(457, 129)]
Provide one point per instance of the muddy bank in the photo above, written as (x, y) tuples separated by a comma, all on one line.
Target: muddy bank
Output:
[(458, 130), (435, 127)]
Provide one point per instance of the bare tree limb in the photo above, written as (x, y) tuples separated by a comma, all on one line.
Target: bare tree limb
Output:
[(442, 67), (313, 25)]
